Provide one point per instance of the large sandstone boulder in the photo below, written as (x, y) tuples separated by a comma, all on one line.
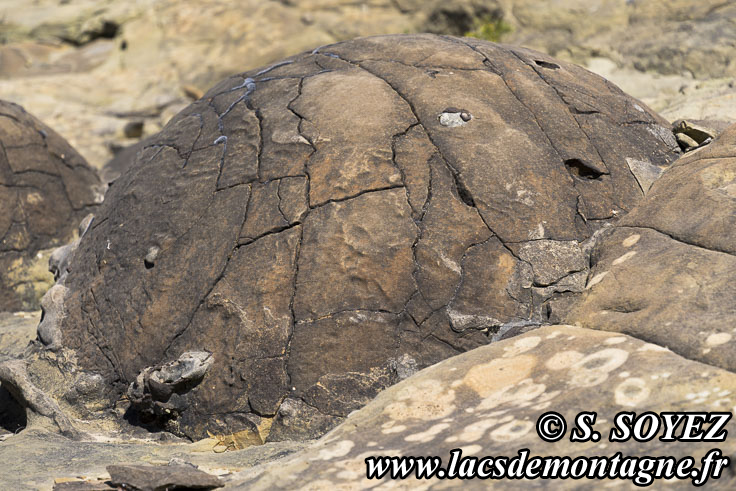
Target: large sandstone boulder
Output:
[(666, 273), (486, 403), (309, 233), (46, 188)]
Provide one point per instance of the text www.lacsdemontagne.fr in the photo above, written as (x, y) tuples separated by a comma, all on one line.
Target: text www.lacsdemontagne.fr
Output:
[(642, 471)]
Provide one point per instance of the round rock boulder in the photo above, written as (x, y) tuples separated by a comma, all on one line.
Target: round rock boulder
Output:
[(309, 233), (46, 188)]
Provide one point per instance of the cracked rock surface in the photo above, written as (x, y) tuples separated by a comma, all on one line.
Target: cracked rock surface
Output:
[(46, 188), (317, 228)]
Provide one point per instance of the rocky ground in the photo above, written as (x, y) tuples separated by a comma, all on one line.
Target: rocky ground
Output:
[(642, 323), (94, 70)]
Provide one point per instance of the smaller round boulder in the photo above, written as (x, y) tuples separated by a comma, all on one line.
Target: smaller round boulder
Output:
[(46, 188)]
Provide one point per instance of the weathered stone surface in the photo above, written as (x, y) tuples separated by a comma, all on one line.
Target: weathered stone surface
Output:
[(35, 459), (313, 223), (486, 403), (666, 272), (46, 188), (16, 330)]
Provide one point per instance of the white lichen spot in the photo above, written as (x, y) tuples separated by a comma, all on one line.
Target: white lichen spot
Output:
[(652, 347), (624, 374), (595, 280), (511, 431), (475, 431), (615, 340), (517, 394), (471, 449), (427, 435), (394, 429), (595, 368), (631, 392), (521, 345), (605, 360), (426, 400), (717, 339), (339, 449), (563, 359), (623, 258)]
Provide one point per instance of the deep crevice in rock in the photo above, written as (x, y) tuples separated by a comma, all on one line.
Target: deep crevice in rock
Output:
[(582, 170)]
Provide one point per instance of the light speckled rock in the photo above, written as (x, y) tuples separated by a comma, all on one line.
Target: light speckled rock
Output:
[(666, 272), (486, 403), (314, 223)]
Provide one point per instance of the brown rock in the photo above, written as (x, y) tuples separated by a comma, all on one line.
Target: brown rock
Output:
[(313, 223)]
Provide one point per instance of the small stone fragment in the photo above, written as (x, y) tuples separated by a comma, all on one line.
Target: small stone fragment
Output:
[(161, 478)]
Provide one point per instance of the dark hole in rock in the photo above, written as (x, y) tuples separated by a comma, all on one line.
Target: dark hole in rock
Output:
[(578, 168), (109, 30), (547, 64), (144, 419), (463, 193), (148, 263), (12, 414), (123, 45)]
